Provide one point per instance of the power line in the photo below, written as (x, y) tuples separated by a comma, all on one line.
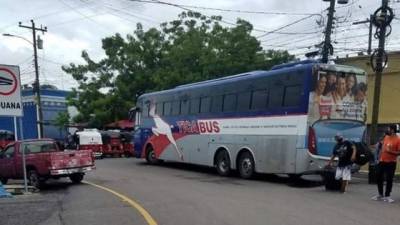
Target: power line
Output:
[(285, 26), (130, 14), (188, 9), (80, 13), (226, 10), (63, 10)]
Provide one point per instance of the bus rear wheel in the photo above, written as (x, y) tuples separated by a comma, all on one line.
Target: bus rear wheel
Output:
[(151, 156), (246, 165), (223, 163)]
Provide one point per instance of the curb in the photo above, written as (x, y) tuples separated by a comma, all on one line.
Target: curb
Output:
[(18, 189)]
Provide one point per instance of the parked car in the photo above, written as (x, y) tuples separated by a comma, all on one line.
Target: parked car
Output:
[(126, 140), (90, 139), (44, 160), (112, 145)]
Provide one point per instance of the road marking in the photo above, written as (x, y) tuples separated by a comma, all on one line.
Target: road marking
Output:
[(131, 202)]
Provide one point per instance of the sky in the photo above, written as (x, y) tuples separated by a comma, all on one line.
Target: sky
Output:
[(77, 25)]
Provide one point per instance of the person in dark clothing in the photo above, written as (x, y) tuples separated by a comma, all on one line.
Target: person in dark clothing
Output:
[(346, 153), (387, 164)]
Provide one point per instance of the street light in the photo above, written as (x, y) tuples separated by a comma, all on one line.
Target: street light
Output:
[(36, 86), (17, 36)]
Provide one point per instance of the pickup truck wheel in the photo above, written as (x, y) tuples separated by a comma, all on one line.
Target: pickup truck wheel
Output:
[(34, 179), (3, 180), (76, 178)]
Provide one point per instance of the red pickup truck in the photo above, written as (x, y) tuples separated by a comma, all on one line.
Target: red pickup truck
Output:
[(44, 160)]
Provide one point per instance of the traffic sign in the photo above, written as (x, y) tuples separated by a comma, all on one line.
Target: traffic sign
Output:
[(10, 91)]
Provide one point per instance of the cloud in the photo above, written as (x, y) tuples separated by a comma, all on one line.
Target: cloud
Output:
[(76, 25)]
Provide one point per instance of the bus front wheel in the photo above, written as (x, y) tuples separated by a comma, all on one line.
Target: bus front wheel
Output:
[(246, 165), (223, 163), (151, 156)]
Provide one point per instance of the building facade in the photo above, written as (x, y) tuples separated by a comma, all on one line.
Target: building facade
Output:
[(389, 107), (53, 103)]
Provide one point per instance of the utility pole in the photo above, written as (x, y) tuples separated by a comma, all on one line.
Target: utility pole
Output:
[(369, 51), (381, 19), (37, 84), (327, 48)]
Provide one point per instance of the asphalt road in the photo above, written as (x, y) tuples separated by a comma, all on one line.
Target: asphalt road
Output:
[(175, 194)]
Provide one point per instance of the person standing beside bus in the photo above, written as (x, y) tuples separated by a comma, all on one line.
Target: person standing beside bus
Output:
[(346, 153), (387, 164)]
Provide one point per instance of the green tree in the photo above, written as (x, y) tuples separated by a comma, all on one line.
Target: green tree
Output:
[(62, 121), (192, 48)]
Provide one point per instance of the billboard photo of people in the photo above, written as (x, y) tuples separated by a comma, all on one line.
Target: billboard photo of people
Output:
[(337, 95)]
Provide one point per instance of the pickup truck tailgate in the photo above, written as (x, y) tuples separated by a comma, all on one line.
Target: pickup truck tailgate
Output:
[(71, 159)]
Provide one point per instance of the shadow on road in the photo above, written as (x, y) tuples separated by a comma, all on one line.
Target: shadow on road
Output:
[(57, 185), (210, 175)]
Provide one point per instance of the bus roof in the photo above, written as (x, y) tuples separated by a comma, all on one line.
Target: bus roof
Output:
[(238, 77)]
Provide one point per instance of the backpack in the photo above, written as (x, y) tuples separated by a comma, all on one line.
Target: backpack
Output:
[(363, 153)]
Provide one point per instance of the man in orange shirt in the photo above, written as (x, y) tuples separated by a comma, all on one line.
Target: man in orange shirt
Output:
[(387, 164)]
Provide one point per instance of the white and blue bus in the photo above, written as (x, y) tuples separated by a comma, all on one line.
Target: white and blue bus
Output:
[(279, 121)]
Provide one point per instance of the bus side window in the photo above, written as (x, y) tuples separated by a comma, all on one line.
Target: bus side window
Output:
[(276, 96), (185, 107), (259, 99), (176, 108), (159, 108), (194, 106), (229, 103), (243, 101), (205, 103), (216, 105), (292, 96), (146, 109), (167, 108)]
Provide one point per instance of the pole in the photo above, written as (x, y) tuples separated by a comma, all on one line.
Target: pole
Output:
[(370, 36), (23, 156), (381, 25), (327, 47), (15, 129), (37, 83)]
